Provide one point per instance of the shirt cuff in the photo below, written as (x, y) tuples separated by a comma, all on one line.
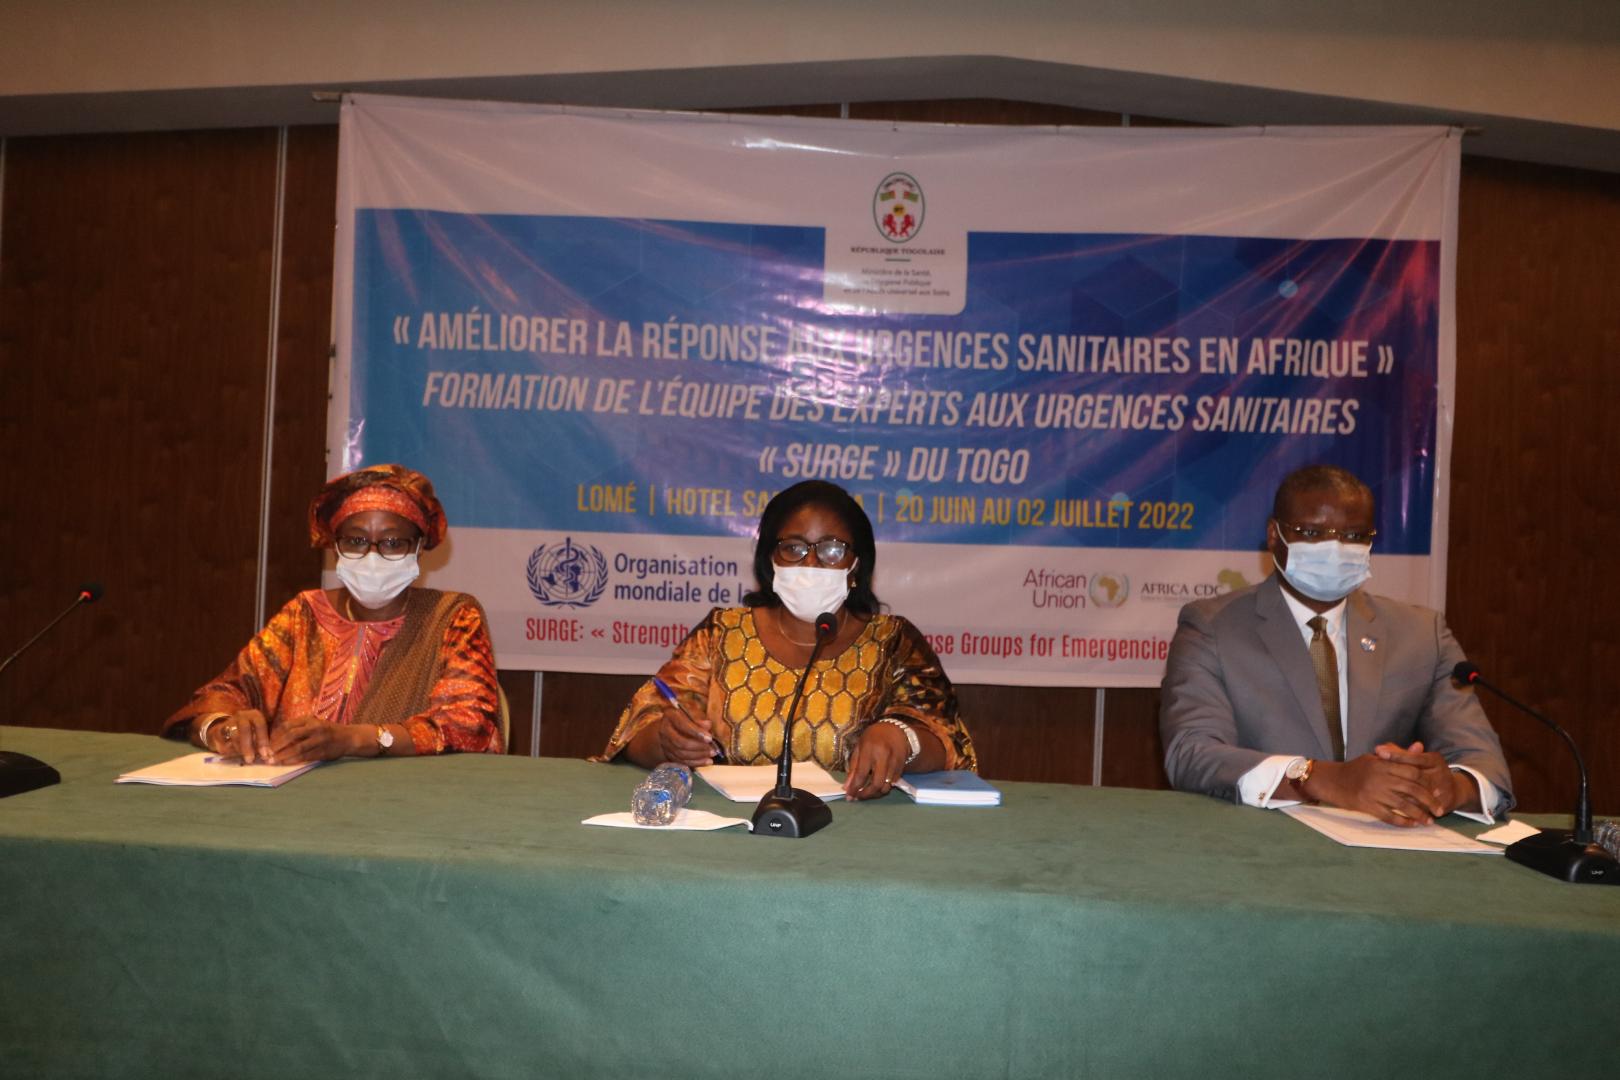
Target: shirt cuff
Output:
[(1256, 786), (1488, 797)]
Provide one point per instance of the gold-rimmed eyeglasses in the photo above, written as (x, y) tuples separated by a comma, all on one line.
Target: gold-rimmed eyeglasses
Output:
[(1314, 533)]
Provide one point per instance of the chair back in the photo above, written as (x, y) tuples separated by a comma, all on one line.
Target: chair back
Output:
[(506, 718)]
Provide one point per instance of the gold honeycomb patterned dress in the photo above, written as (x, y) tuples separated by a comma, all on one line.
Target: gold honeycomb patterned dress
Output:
[(723, 670)]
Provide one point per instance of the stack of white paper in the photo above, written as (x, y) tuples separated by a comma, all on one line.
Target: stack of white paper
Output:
[(750, 783), (203, 769), (1355, 829)]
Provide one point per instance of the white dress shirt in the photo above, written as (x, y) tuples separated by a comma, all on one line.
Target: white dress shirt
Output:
[(1256, 786)]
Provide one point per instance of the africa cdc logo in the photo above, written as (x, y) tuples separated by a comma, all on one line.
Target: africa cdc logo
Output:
[(567, 574), (897, 207)]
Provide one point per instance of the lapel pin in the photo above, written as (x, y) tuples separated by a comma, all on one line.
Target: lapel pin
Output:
[(1369, 644)]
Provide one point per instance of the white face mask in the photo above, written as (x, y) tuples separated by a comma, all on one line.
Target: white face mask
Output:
[(1327, 570), (374, 581), (808, 591)]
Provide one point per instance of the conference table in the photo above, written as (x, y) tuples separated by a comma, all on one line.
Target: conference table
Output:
[(452, 917)]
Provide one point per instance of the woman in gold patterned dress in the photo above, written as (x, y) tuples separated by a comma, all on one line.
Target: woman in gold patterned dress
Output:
[(876, 703)]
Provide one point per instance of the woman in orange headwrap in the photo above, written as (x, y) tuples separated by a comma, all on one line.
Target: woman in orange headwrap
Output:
[(369, 669)]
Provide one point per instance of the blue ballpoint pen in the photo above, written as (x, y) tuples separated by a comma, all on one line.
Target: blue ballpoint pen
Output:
[(669, 695)]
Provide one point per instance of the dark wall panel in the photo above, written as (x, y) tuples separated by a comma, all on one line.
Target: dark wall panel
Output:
[(134, 298), (1532, 591), (134, 318), (302, 359), (578, 712), (980, 111), (1041, 733), (1133, 755)]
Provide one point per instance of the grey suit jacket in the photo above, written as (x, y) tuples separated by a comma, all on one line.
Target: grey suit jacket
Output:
[(1239, 686)]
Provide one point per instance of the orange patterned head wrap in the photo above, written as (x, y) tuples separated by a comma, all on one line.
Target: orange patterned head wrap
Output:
[(393, 488)]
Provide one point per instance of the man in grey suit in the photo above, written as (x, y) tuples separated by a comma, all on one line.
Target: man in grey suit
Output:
[(1305, 688)]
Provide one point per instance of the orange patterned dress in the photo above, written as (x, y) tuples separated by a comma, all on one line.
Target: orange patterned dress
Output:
[(310, 660), (723, 670)]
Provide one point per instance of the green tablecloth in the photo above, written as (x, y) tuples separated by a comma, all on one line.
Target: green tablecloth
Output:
[(452, 917)]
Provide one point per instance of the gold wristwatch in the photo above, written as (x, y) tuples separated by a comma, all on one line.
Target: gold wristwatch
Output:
[(1299, 771)]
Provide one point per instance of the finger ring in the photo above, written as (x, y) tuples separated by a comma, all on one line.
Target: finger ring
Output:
[(230, 733)]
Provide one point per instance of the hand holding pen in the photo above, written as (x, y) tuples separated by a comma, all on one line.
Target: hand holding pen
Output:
[(684, 738)]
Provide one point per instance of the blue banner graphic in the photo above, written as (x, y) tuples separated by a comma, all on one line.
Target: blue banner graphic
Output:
[(1097, 391), (1065, 416)]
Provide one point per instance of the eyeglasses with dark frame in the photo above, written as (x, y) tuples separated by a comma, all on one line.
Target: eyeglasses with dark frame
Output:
[(830, 550), (392, 548), (1313, 533)]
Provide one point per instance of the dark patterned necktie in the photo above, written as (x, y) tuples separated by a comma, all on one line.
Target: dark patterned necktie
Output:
[(1326, 664)]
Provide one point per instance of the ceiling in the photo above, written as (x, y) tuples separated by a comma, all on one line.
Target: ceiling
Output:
[(788, 84)]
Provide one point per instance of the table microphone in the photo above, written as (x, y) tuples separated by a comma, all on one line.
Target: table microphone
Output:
[(19, 772), (787, 810), (1569, 855)]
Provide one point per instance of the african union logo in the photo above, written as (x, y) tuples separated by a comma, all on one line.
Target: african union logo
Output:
[(1109, 589), (897, 207), (567, 574)]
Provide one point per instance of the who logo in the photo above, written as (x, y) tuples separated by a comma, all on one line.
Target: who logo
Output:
[(567, 574)]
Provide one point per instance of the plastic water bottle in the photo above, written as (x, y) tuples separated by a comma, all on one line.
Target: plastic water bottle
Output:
[(661, 796)]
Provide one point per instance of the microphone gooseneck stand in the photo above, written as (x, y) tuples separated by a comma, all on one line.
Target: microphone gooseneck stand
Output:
[(787, 810), (19, 772), (1566, 854)]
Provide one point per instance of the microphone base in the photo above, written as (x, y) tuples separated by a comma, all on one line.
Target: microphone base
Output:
[(797, 815), (1556, 853), (20, 773)]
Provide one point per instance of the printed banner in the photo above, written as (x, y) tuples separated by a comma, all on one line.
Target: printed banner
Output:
[(1062, 369)]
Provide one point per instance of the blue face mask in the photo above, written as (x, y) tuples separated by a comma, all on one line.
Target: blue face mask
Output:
[(1328, 570)]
